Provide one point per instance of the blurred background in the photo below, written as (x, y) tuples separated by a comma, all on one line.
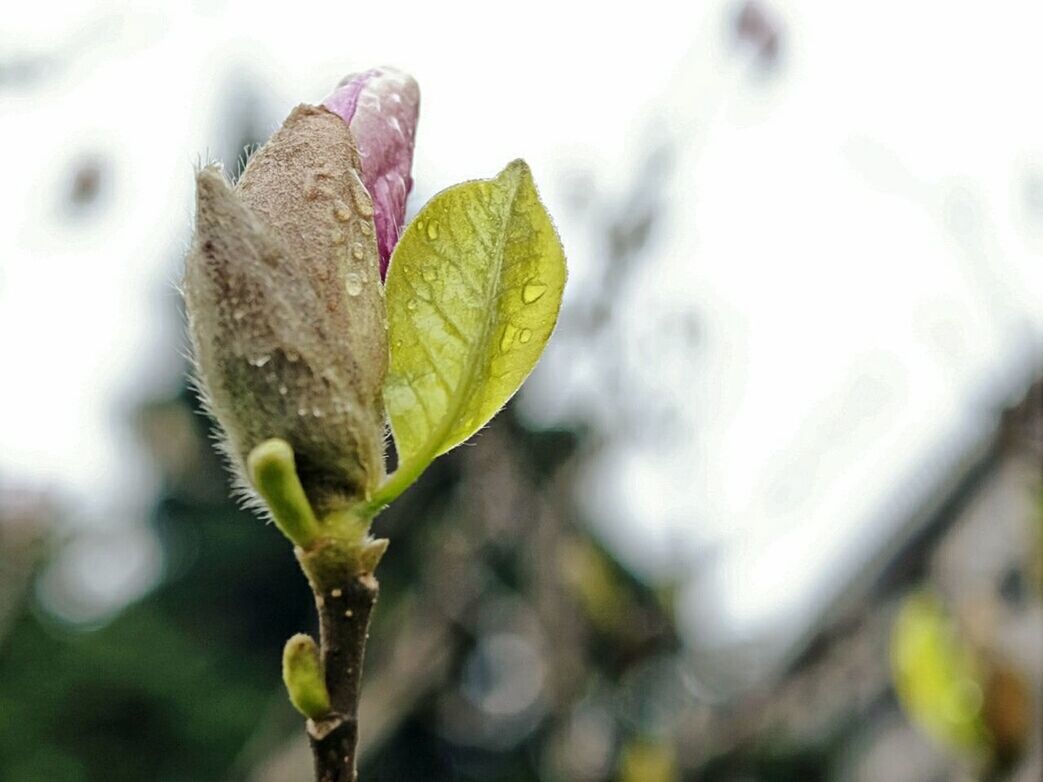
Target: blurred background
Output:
[(771, 508)]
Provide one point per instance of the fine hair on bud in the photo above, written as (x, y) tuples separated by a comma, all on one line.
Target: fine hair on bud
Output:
[(285, 308)]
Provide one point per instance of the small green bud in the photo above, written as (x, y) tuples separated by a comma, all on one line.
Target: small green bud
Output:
[(302, 674), (274, 476), (286, 310)]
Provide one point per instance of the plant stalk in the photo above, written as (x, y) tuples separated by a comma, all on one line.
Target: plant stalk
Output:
[(344, 603)]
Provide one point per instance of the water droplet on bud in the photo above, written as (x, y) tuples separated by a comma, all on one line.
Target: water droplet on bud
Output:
[(363, 203), (341, 211)]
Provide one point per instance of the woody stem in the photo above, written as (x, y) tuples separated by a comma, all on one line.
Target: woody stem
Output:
[(344, 605)]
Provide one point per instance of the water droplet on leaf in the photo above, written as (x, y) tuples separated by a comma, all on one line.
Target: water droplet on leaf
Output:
[(509, 332), (432, 230), (353, 284), (533, 291)]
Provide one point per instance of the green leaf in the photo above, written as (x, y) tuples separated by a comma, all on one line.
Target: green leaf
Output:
[(473, 294), (936, 674)]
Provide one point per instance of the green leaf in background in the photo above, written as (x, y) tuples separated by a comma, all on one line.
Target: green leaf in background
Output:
[(473, 294), (936, 676)]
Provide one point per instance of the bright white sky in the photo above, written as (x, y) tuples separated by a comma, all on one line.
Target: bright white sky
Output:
[(852, 235)]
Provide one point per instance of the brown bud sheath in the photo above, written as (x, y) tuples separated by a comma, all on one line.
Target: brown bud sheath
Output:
[(286, 311)]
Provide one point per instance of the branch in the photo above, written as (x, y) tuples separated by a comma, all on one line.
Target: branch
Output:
[(344, 606)]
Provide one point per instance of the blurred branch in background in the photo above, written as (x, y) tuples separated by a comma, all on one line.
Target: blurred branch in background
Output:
[(26, 525), (835, 703)]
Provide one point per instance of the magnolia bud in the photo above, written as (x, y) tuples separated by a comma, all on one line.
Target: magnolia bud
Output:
[(285, 307)]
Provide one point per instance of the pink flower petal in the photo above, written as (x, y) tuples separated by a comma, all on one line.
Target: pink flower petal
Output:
[(381, 107)]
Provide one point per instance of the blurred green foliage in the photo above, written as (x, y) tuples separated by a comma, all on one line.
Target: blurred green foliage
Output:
[(173, 687)]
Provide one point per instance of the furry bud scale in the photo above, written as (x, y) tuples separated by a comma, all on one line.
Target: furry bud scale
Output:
[(286, 311)]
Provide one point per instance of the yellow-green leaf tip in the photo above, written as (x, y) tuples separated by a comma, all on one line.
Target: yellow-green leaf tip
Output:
[(302, 674), (274, 476)]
